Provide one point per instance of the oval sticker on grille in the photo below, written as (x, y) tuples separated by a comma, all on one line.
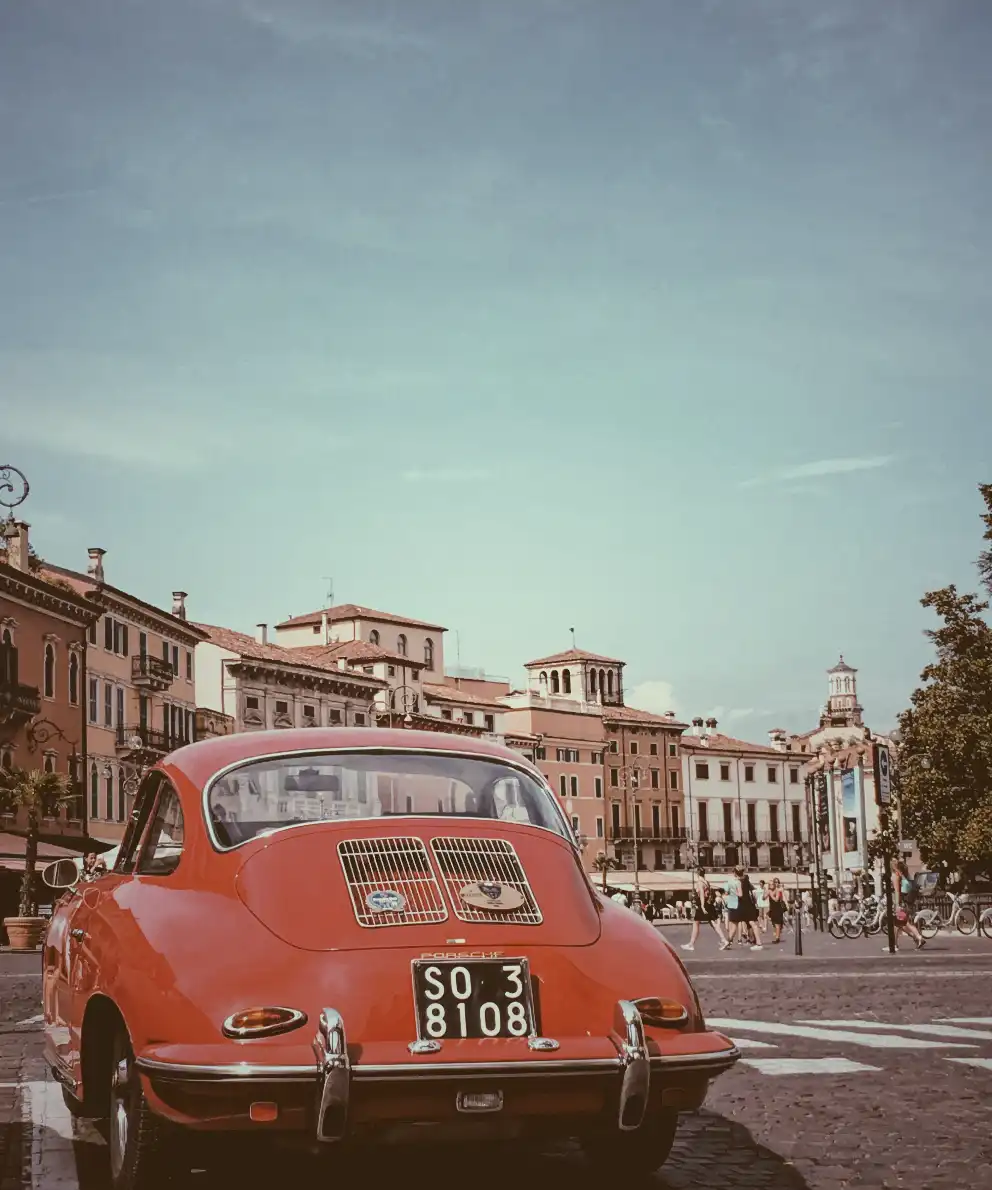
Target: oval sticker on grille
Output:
[(486, 895), (385, 900)]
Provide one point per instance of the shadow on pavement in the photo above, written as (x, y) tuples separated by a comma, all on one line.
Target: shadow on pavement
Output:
[(710, 1151)]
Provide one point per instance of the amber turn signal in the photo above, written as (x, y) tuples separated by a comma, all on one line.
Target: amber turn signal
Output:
[(263, 1022), (661, 1013)]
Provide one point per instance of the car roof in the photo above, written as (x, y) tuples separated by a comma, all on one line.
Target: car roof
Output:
[(200, 761)]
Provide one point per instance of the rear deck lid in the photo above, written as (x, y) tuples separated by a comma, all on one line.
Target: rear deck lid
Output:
[(338, 886)]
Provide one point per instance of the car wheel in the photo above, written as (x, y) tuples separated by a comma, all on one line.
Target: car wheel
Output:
[(634, 1154), (141, 1144)]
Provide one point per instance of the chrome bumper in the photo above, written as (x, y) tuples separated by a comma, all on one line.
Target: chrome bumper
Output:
[(333, 1074)]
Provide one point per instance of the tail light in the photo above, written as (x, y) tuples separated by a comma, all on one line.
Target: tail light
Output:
[(661, 1014), (263, 1022)]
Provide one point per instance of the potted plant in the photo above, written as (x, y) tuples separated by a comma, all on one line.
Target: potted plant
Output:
[(37, 792)]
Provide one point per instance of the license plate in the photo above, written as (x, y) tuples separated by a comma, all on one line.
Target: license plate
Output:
[(475, 998)]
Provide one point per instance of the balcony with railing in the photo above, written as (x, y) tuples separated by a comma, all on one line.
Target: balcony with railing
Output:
[(152, 673), (18, 701), (132, 740), (647, 834)]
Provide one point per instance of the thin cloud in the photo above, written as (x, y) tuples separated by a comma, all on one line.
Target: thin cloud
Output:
[(821, 468), (33, 200), (304, 24), (443, 475), (655, 695)]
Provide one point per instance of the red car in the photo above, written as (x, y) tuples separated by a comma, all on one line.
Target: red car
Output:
[(351, 935)]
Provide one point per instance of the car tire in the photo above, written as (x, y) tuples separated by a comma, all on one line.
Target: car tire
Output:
[(637, 1153), (142, 1145)]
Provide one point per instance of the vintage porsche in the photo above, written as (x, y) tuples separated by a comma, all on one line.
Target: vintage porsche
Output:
[(353, 935)]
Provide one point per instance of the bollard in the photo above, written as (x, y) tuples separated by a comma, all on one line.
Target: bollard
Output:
[(799, 927)]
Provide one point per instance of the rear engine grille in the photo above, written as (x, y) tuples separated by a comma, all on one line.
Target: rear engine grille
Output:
[(484, 861), (391, 866)]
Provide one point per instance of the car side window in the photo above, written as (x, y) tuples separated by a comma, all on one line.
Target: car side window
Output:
[(143, 804), (163, 845)]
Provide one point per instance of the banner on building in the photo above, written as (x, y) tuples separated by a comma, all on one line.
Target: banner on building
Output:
[(849, 798), (883, 777), (823, 812)]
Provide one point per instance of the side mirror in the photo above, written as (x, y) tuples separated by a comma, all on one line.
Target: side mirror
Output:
[(62, 874)]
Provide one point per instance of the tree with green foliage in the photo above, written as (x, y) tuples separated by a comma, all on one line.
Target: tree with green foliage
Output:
[(605, 863), (39, 793), (945, 756)]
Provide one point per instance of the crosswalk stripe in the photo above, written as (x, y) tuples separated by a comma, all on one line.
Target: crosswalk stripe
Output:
[(806, 1065), (748, 1043), (935, 1030), (984, 1063), (873, 1041), (967, 1020)]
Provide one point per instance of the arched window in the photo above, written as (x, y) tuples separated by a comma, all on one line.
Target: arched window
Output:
[(49, 762), (121, 797), (94, 791), (592, 681), (7, 639), (428, 654), (554, 682), (602, 681), (108, 778), (566, 681), (542, 681), (374, 637), (74, 678), (49, 671), (609, 682), (401, 644)]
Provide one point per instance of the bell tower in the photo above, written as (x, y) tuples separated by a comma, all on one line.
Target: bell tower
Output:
[(843, 708)]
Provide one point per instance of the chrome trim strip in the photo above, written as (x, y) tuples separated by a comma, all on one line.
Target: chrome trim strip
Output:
[(229, 1072), (521, 765), (635, 1064), (486, 1069), (332, 1057), (720, 1060)]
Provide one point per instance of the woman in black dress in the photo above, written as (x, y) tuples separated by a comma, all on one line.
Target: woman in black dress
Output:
[(776, 909), (748, 912), (704, 909)]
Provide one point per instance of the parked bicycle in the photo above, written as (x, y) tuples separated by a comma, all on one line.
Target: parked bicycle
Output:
[(962, 917), (985, 923), (869, 918)]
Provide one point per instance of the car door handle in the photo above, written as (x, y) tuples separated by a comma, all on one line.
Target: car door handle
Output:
[(78, 934)]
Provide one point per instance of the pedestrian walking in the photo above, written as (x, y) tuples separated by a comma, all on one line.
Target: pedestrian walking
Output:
[(905, 901), (761, 898), (704, 909), (776, 909), (749, 912)]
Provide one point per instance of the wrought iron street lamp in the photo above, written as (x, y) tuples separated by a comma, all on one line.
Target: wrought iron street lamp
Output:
[(14, 488)]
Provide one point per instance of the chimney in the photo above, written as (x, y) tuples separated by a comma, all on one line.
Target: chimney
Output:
[(95, 568), (697, 726), (323, 628), (262, 633), (16, 533), (710, 726), (342, 663), (179, 604)]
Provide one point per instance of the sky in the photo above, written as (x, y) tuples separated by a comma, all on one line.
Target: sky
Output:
[(662, 320)]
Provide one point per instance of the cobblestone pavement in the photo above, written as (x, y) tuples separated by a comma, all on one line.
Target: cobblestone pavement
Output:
[(882, 1078)]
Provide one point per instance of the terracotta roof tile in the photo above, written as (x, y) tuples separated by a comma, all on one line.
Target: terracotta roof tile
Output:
[(572, 655), (354, 611), (446, 693), (251, 649), (355, 651), (84, 585), (634, 715), (718, 742)]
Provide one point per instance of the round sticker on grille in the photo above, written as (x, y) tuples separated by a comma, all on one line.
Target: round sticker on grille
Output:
[(485, 895), (386, 900)]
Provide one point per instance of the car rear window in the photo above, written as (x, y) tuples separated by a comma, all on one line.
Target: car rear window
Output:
[(283, 791)]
